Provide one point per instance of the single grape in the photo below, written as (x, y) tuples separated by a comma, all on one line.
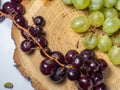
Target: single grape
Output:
[(104, 43), (59, 56), (85, 83), (59, 75), (100, 87), (117, 5), (47, 50), (87, 55), (96, 4), (116, 40), (80, 24), (73, 74), (2, 18), (110, 12), (109, 3), (81, 4), (47, 67), (26, 46), (21, 20), (114, 55), (32, 31), (92, 66), (67, 2), (24, 35), (77, 62), (19, 9), (39, 21), (16, 1), (111, 25), (69, 55), (38, 30), (89, 41), (42, 41), (8, 7), (96, 16), (97, 79), (102, 65)]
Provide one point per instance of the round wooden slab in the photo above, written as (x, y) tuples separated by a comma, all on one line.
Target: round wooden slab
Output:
[(60, 37)]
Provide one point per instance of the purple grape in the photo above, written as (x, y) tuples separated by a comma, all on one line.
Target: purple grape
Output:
[(102, 65), (26, 46), (47, 67), (8, 7), (77, 62), (38, 30), (100, 87), (16, 1), (85, 83), (2, 18), (21, 20), (73, 74), (59, 75), (19, 9), (97, 79), (59, 56), (48, 51), (92, 66), (32, 31), (42, 41), (39, 21), (24, 35), (69, 56), (87, 55)]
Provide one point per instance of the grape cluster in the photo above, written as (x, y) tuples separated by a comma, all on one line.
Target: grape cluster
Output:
[(84, 67), (101, 25)]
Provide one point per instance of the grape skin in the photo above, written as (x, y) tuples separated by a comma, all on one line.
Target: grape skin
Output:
[(81, 4), (96, 19), (114, 55), (96, 4), (110, 12), (80, 24), (111, 25), (104, 43), (117, 5), (89, 41)]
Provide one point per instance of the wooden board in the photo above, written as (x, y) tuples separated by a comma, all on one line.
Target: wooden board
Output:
[(60, 37)]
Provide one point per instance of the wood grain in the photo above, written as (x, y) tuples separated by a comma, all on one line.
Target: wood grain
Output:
[(61, 38)]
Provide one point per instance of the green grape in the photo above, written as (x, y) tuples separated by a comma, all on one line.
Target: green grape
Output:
[(114, 55), (96, 19), (96, 4), (110, 12), (109, 3), (104, 43), (111, 25), (117, 5), (80, 24), (67, 1), (116, 40), (81, 4), (89, 41)]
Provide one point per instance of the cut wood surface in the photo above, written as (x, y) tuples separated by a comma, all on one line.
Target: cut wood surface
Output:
[(60, 38)]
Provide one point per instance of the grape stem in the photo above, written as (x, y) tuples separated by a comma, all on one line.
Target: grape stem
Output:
[(28, 33)]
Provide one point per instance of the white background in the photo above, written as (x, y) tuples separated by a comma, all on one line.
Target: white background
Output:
[(8, 73)]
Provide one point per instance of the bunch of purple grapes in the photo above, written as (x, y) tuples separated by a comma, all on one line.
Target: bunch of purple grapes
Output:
[(86, 69), (16, 10)]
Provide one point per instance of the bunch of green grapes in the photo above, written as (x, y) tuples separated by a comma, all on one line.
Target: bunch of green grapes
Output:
[(104, 14)]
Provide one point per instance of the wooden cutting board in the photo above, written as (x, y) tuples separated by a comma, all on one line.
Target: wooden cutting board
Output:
[(60, 37)]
